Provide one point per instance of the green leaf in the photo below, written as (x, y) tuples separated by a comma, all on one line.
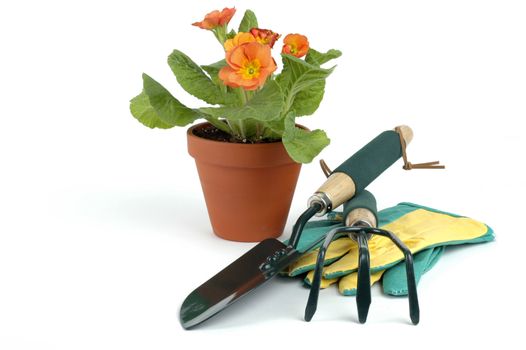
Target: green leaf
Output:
[(274, 129), (307, 101), (231, 34), (298, 74), (303, 85), (193, 79), (167, 107), (248, 22), (213, 69), (143, 111), (302, 145), (318, 58), (264, 106)]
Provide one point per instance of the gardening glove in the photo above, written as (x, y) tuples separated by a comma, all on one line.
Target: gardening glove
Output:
[(425, 231)]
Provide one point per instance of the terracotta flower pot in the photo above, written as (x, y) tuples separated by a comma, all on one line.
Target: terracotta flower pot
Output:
[(248, 188)]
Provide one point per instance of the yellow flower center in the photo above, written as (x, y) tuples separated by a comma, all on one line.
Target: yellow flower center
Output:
[(293, 49), (250, 69)]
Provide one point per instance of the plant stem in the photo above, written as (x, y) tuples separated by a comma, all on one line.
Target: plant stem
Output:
[(234, 128), (258, 130), (220, 34), (262, 131), (219, 124), (249, 95), (242, 96), (243, 130), (243, 99)]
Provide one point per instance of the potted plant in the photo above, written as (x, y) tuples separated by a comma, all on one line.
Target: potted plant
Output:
[(249, 150)]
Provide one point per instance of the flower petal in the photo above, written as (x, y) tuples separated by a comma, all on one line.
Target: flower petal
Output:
[(239, 39), (226, 15), (228, 75), (258, 51), (236, 57), (215, 19), (265, 36)]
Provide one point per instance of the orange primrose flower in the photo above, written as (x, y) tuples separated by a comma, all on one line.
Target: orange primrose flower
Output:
[(265, 36), (295, 45), (248, 66), (239, 39), (216, 19)]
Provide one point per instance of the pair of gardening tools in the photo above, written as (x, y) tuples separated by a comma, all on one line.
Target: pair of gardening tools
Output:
[(346, 184)]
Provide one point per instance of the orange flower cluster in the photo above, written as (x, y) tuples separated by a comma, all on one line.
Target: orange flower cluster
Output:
[(248, 55), (249, 60), (248, 66)]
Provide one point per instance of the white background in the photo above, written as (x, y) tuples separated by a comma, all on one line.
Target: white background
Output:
[(103, 227)]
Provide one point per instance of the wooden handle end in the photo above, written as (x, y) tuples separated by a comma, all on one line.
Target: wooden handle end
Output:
[(406, 132)]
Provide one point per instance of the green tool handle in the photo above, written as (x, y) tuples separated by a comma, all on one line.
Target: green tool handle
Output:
[(361, 209), (357, 172), (372, 160)]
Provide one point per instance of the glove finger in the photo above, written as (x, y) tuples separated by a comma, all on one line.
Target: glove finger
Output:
[(349, 283), (347, 263), (435, 256), (324, 281), (395, 279), (307, 262)]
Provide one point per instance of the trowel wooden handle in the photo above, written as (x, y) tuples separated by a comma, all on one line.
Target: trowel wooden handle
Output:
[(357, 172), (361, 210)]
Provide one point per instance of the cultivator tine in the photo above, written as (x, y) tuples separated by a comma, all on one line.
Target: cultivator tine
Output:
[(414, 309), (363, 292), (312, 302)]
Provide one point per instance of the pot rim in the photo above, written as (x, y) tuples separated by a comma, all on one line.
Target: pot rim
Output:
[(232, 154)]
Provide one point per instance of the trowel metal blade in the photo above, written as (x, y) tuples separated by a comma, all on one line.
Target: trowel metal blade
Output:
[(258, 265)]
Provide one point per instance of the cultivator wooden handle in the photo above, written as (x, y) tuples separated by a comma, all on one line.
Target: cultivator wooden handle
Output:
[(361, 210), (357, 172)]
